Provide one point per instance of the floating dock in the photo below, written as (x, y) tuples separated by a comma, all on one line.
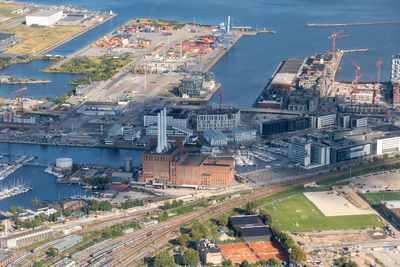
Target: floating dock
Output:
[(351, 24)]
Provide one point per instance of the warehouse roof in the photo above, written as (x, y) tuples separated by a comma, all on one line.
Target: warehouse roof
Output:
[(284, 78), (214, 134), (193, 160), (292, 65), (243, 220), (44, 13), (4, 36), (259, 230)]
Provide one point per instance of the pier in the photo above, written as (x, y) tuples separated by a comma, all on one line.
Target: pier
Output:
[(351, 24)]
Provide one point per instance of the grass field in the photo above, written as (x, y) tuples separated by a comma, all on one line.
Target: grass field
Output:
[(375, 198), (5, 13), (298, 214), (35, 39)]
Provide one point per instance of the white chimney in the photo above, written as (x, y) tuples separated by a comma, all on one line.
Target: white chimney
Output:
[(165, 129), (159, 145)]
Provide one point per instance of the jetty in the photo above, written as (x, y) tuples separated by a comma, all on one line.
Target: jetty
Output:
[(350, 24), (354, 50)]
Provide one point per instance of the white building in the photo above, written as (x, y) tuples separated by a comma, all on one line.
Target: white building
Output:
[(223, 119), (116, 130), (175, 116), (395, 77), (322, 121), (243, 134), (45, 210), (215, 137), (132, 133), (359, 122), (387, 145), (44, 17)]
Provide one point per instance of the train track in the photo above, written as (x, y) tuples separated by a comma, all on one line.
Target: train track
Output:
[(133, 255)]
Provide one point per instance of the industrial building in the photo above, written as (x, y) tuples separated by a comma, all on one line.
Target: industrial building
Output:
[(170, 165), (215, 137), (26, 238), (44, 18), (6, 39), (175, 116), (284, 125), (122, 176), (223, 119), (67, 243)]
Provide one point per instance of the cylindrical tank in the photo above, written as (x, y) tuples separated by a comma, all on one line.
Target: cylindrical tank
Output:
[(128, 164), (64, 163)]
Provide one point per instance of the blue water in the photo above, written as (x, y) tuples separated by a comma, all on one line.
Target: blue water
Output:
[(245, 69), (58, 86), (43, 184)]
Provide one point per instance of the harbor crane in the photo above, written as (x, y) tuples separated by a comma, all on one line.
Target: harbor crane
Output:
[(335, 35), (21, 100), (221, 93), (378, 65)]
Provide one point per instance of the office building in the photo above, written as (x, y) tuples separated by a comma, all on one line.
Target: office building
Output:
[(223, 119), (346, 150), (284, 125), (44, 17), (323, 121), (344, 121), (387, 144), (359, 122), (242, 134), (300, 151), (395, 77)]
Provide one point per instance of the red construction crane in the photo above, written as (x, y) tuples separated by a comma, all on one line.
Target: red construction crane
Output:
[(335, 35), (355, 89), (221, 92), (21, 100), (378, 65)]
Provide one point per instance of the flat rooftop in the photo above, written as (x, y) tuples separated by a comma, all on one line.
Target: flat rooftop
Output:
[(273, 96), (284, 78), (292, 65), (44, 13), (177, 113), (193, 160)]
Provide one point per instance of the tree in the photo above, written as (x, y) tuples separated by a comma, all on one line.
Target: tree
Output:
[(297, 255), (227, 263), (272, 262), (42, 217), (35, 202), (13, 209), (52, 252), (163, 216), (68, 212), (199, 230), (190, 257), (385, 157), (342, 262), (251, 207), (222, 220), (266, 217), (183, 239), (175, 204), (167, 205), (105, 205), (245, 263), (164, 259)]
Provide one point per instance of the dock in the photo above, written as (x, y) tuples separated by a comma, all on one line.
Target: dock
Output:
[(350, 24), (199, 101), (354, 50)]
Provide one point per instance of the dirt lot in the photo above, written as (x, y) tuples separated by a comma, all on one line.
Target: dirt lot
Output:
[(378, 182), (332, 204)]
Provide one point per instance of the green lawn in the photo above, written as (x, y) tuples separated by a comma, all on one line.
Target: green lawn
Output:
[(375, 198), (298, 214)]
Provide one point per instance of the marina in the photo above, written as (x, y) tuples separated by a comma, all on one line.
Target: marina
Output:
[(10, 168), (13, 191)]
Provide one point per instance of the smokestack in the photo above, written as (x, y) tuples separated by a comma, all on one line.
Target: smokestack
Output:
[(165, 129), (159, 145), (162, 128)]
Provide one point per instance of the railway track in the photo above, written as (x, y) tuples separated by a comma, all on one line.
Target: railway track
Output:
[(133, 255)]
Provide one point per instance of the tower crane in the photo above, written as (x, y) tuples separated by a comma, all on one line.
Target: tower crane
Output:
[(221, 92), (333, 37), (355, 83), (21, 100), (378, 65)]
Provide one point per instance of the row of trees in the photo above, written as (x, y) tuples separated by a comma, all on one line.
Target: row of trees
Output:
[(296, 253)]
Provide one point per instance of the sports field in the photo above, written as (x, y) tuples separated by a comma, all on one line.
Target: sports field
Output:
[(375, 198), (298, 214)]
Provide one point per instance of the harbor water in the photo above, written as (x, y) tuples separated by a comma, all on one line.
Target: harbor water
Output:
[(243, 71)]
